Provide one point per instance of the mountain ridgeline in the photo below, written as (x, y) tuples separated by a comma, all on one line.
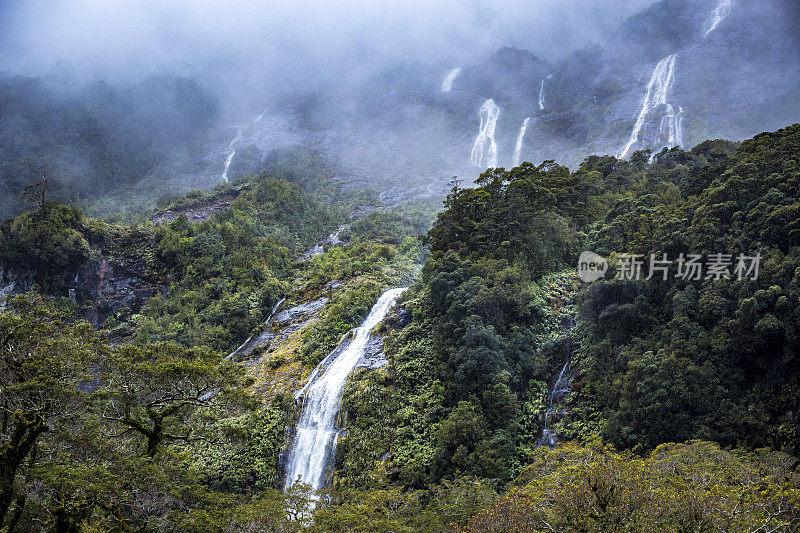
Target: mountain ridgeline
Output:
[(677, 73)]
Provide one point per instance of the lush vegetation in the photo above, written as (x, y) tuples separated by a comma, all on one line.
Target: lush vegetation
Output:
[(653, 361), (96, 436), (147, 427)]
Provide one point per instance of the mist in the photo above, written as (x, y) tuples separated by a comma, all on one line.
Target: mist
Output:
[(153, 98), (239, 48)]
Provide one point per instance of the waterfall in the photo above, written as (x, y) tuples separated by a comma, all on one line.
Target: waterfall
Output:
[(722, 10), (447, 83), (5, 290), (659, 88), (314, 443), (484, 151), (541, 92), (672, 126), (230, 155), (518, 146), (561, 387)]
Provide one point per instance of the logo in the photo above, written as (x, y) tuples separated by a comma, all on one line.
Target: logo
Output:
[(591, 266)]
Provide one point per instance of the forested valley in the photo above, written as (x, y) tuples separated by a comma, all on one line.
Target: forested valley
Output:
[(682, 410)]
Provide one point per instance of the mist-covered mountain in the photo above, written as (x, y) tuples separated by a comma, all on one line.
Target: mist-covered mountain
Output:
[(95, 139), (675, 73), (713, 69), (372, 319)]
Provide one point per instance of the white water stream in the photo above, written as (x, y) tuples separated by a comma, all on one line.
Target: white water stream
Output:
[(659, 89), (314, 443), (484, 150), (447, 83), (518, 146), (722, 10), (230, 155), (541, 92)]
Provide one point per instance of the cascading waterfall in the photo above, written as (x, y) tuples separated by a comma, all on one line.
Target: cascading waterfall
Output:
[(230, 155), (447, 83), (672, 126), (561, 387), (518, 145), (659, 88), (314, 443), (484, 151), (541, 92), (722, 10)]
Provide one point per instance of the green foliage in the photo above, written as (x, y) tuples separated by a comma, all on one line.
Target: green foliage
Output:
[(156, 390), (346, 310), (227, 271), (654, 361), (371, 407), (118, 438), (388, 508), (685, 487), (243, 455), (43, 364), (703, 359), (48, 240)]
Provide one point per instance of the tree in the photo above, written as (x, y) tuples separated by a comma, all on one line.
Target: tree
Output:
[(36, 193), (161, 391), (42, 372)]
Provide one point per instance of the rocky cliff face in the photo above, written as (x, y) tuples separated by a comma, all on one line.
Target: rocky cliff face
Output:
[(101, 288)]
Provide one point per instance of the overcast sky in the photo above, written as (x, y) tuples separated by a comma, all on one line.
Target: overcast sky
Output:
[(115, 36), (237, 48)]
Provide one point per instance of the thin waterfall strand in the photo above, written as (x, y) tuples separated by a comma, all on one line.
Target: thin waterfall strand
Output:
[(447, 83), (658, 89), (541, 92), (561, 387), (719, 14), (484, 150), (518, 145), (313, 446), (230, 155)]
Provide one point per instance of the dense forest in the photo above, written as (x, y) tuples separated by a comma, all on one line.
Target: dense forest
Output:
[(682, 409)]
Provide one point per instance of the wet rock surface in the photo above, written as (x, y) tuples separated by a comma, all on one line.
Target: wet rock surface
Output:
[(297, 312), (102, 287), (106, 287), (280, 327), (196, 213), (373, 357)]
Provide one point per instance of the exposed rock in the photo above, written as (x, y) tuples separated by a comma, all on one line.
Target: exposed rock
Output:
[(106, 286), (373, 357), (298, 311), (196, 213), (13, 281), (279, 327), (333, 285), (101, 287)]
